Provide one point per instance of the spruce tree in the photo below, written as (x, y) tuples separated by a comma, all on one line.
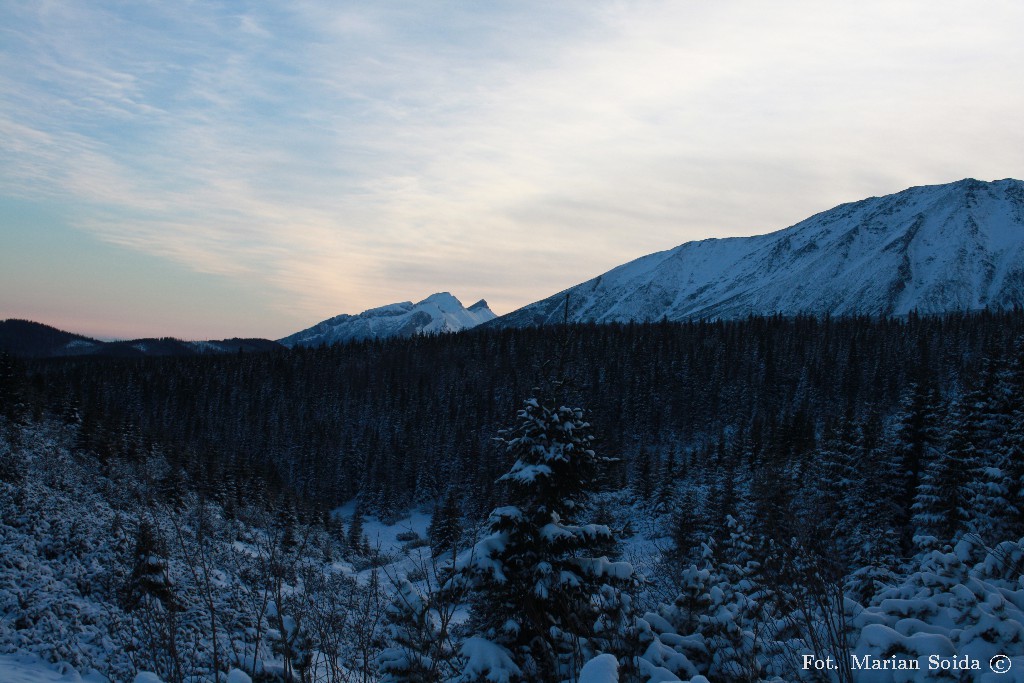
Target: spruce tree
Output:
[(538, 591), (149, 575), (12, 390), (357, 542), (942, 502), (997, 497), (915, 443), (996, 421), (412, 636), (446, 525), (720, 610)]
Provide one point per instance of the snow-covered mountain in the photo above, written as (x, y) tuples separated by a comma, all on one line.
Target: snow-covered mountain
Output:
[(936, 248), (438, 313)]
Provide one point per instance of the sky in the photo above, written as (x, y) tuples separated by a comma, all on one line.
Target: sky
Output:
[(208, 169)]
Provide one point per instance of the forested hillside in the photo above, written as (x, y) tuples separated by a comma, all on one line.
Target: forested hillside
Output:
[(699, 499), (400, 421)]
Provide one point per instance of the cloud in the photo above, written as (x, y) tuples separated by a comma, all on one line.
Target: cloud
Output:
[(350, 155)]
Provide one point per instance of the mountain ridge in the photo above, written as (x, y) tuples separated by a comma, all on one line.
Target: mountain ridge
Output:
[(438, 313), (29, 339), (931, 249)]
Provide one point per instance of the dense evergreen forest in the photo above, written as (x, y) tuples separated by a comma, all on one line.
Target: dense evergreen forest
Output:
[(700, 501), (398, 422)]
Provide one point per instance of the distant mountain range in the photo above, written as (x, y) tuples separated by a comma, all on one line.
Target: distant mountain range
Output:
[(932, 249), (436, 314), (28, 339)]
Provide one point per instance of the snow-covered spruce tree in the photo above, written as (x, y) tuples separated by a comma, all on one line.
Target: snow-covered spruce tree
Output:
[(150, 595), (149, 575), (1003, 510), (719, 623), (413, 636), (356, 537), (446, 525), (914, 443), (830, 512), (734, 625), (542, 587), (942, 502), (996, 505)]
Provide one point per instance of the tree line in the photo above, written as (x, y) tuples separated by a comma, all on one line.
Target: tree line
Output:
[(398, 422)]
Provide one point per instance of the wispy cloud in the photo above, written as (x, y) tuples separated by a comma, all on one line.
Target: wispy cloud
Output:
[(351, 155)]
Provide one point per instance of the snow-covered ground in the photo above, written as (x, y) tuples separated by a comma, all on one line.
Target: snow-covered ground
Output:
[(68, 535), (29, 669), (382, 535), (70, 602)]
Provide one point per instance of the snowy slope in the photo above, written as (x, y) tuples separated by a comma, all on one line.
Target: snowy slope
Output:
[(29, 669), (936, 248), (438, 313)]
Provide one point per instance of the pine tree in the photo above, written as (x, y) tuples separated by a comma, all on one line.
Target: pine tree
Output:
[(538, 591)]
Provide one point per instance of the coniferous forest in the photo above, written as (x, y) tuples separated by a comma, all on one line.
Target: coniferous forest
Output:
[(769, 499)]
